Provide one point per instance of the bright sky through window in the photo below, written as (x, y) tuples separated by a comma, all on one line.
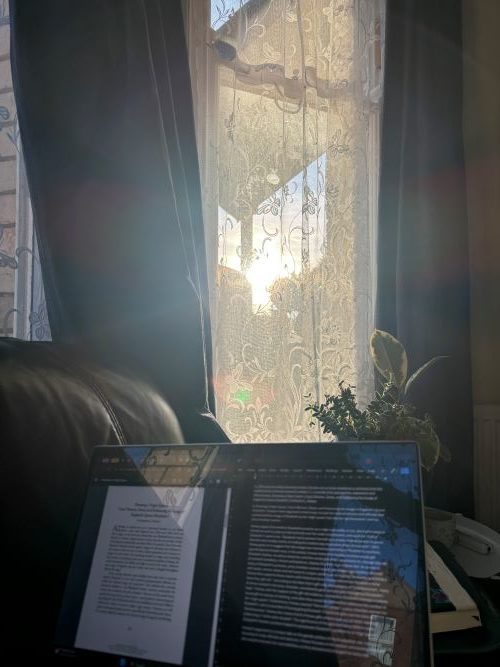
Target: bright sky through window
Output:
[(222, 10), (278, 233)]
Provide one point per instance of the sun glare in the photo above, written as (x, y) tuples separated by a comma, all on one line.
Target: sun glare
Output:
[(261, 276), (277, 235)]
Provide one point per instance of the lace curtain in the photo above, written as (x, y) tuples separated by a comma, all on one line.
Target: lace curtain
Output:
[(23, 313), (287, 96)]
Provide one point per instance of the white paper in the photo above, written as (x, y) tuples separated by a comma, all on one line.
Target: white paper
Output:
[(139, 589)]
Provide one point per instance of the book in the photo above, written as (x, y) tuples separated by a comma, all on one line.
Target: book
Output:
[(452, 607)]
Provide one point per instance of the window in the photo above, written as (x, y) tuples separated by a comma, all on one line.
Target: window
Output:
[(22, 304), (287, 96)]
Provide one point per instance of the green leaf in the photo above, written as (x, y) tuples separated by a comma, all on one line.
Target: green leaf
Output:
[(389, 356), (420, 371), (444, 453), (424, 435), (430, 448)]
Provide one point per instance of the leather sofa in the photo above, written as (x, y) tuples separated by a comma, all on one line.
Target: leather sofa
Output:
[(56, 404)]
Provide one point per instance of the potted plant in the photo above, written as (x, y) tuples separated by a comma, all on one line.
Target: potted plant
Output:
[(389, 416)]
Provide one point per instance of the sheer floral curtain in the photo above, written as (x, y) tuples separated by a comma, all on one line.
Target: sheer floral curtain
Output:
[(287, 94), (23, 313)]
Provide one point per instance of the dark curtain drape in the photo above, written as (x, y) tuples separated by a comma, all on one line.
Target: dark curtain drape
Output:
[(423, 269), (105, 113)]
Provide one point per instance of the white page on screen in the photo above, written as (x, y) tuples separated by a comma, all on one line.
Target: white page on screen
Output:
[(137, 598)]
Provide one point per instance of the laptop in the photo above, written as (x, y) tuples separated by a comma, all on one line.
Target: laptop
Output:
[(249, 555)]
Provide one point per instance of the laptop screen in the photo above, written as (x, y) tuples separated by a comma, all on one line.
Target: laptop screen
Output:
[(250, 555)]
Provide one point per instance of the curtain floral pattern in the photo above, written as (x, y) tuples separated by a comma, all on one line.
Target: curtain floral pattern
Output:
[(23, 312), (288, 94)]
